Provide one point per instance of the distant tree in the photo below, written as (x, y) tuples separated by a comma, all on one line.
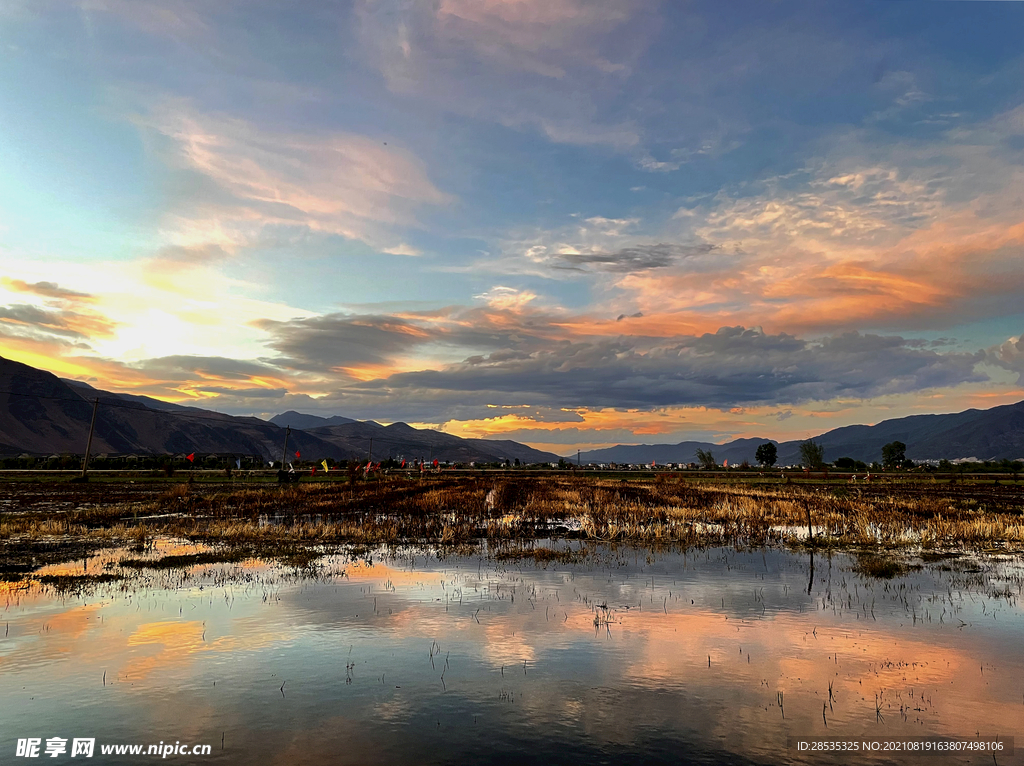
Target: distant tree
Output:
[(517, 462), (812, 454), (767, 454), (894, 455), (706, 460)]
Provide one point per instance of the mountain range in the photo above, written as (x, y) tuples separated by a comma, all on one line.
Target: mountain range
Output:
[(993, 434), (43, 414)]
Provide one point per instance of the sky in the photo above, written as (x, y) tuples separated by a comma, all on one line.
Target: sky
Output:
[(572, 223)]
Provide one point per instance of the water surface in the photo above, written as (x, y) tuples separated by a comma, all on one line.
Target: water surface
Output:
[(631, 656)]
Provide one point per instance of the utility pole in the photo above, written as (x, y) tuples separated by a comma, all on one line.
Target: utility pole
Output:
[(369, 454), (577, 458), (88, 444), (284, 452)]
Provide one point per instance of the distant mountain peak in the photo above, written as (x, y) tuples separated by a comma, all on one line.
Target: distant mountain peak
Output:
[(306, 422)]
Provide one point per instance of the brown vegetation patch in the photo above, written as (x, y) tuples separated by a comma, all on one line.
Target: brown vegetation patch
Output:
[(292, 523)]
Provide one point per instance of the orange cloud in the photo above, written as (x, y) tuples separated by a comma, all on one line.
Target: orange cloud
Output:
[(950, 271)]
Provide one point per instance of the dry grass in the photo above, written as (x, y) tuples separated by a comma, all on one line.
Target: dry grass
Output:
[(452, 512)]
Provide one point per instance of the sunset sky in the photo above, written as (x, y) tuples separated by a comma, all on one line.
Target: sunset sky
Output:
[(572, 223)]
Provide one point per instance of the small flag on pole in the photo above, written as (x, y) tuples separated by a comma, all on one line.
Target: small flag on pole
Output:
[(725, 463), (326, 467), (403, 462), (238, 463), (435, 462), (191, 458), (298, 454)]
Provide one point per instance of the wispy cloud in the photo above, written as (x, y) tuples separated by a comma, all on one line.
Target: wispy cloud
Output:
[(259, 181), (574, 51)]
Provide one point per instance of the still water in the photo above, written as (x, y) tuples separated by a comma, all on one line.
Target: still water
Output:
[(716, 656)]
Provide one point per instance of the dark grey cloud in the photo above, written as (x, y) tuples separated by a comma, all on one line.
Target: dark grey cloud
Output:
[(328, 342), (732, 367), (65, 317), (26, 315), (46, 290), (60, 325), (636, 257), (184, 368), (341, 340), (245, 393)]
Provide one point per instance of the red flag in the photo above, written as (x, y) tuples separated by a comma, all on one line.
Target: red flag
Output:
[(298, 454), (403, 462), (191, 458), (435, 462)]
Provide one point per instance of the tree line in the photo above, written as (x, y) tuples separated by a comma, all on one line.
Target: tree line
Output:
[(812, 455)]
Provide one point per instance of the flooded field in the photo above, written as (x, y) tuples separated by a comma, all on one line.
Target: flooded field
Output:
[(593, 654)]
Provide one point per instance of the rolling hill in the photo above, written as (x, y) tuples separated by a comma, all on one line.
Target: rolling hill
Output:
[(42, 414), (993, 434)]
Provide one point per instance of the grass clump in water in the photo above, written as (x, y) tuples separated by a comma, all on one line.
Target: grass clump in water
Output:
[(183, 560), (882, 567), (73, 584)]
